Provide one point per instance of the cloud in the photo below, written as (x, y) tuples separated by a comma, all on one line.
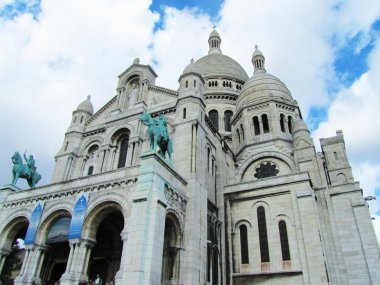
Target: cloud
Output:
[(48, 66), (184, 33)]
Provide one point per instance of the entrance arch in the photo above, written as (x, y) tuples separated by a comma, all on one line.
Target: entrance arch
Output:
[(53, 235), (104, 225), (12, 249)]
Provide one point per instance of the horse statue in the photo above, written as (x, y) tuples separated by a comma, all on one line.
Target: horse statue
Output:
[(26, 171), (158, 135)]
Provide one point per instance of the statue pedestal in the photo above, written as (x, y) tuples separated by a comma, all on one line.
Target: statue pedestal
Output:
[(5, 191), (142, 261)]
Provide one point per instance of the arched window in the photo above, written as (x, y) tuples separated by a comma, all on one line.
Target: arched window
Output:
[(187, 83), (90, 170), (81, 119), (335, 155), (282, 123), (238, 134), (284, 240), (263, 235), (256, 125), (264, 119), (195, 83), (227, 120), (242, 132), (170, 270), (123, 151), (184, 113), (290, 124), (214, 117), (244, 244), (209, 84)]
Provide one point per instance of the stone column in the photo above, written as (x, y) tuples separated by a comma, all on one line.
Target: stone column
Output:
[(41, 251), (89, 247), (66, 278), (137, 152), (31, 268), (26, 259), (129, 154), (106, 157), (83, 166), (83, 256), (286, 124), (77, 263), (25, 271), (115, 158), (261, 127), (67, 168), (119, 274), (3, 256)]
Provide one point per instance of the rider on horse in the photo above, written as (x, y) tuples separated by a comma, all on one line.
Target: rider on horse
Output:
[(30, 169)]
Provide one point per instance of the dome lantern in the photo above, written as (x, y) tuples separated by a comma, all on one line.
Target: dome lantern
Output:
[(214, 42), (258, 61)]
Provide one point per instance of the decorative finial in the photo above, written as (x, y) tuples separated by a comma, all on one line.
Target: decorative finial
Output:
[(88, 96), (214, 26), (136, 61), (192, 60), (256, 47)]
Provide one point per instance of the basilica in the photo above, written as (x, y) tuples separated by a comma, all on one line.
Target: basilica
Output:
[(240, 197)]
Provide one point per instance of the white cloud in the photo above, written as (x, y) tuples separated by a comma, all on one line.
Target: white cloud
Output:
[(47, 67), (4, 3), (184, 36)]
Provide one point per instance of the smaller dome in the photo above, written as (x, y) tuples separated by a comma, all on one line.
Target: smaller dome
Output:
[(261, 87), (214, 33), (86, 106), (257, 52), (191, 68)]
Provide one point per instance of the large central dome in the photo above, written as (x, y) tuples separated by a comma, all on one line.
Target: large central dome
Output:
[(219, 65)]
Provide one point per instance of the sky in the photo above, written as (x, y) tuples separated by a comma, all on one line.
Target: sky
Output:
[(53, 53)]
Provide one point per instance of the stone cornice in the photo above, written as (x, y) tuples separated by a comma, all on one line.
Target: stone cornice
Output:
[(163, 90), (109, 185), (94, 132)]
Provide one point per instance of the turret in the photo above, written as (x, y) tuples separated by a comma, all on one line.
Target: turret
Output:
[(65, 158), (258, 61), (337, 165), (190, 98), (214, 42), (84, 111)]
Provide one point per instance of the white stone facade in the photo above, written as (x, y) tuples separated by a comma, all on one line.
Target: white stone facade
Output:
[(246, 200)]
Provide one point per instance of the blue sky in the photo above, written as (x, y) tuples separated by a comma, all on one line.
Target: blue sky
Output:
[(350, 60), (52, 56)]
